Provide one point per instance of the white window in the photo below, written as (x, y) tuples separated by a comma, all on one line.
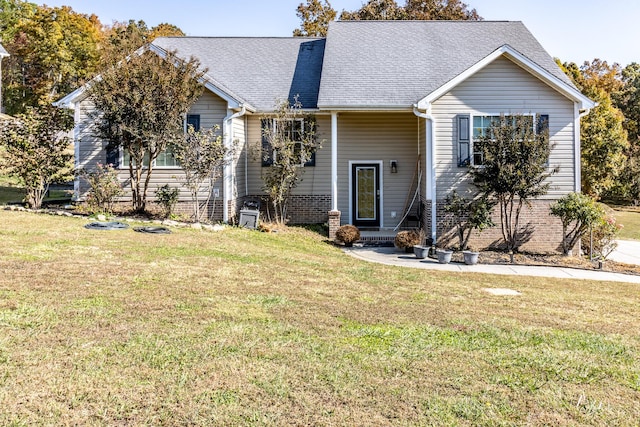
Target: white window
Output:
[(293, 130), (472, 128)]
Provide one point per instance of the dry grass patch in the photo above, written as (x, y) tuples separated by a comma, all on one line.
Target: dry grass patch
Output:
[(249, 328)]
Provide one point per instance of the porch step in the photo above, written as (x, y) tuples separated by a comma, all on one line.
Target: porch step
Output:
[(377, 238)]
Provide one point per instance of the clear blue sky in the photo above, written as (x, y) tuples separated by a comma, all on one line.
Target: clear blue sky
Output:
[(572, 30)]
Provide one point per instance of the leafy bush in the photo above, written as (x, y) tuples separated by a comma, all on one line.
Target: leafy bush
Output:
[(577, 212), (104, 188), (468, 215), (407, 239), (167, 198), (604, 233), (348, 234)]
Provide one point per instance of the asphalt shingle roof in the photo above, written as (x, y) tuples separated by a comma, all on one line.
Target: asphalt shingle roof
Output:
[(397, 63), (367, 64), (258, 71)]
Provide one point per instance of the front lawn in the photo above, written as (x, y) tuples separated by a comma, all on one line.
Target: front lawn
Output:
[(629, 217), (249, 328)]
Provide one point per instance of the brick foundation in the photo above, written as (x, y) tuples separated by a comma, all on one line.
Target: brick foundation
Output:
[(303, 209), (545, 237)]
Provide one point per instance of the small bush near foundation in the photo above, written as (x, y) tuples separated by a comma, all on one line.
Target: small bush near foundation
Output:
[(348, 234), (167, 199), (104, 188), (407, 239)]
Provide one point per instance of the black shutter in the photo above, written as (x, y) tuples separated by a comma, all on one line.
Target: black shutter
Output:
[(310, 127), (464, 140), (194, 120), (543, 123), (113, 156), (312, 159), (267, 150)]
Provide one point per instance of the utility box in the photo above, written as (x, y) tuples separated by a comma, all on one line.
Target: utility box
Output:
[(250, 215)]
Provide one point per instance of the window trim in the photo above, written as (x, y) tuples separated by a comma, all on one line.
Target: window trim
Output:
[(266, 162), (469, 161)]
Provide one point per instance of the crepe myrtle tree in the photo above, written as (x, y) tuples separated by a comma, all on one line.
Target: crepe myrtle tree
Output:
[(515, 169), (140, 105), (202, 155), (37, 150), (289, 141)]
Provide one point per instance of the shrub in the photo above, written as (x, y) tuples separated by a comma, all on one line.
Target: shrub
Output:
[(104, 188), (468, 215), (407, 239), (167, 198), (604, 232), (348, 234), (577, 213)]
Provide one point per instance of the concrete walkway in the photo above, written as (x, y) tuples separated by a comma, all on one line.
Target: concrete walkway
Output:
[(391, 256), (628, 252)]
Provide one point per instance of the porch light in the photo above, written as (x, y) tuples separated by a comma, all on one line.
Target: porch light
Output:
[(393, 164)]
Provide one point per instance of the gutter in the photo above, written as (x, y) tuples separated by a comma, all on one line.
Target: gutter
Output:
[(227, 174), (431, 164)]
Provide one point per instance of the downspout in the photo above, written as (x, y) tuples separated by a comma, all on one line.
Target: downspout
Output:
[(227, 131), (431, 164), (578, 147)]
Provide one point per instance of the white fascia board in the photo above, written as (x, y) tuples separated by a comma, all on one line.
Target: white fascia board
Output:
[(521, 60)]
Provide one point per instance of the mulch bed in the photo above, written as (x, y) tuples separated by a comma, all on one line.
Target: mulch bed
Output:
[(493, 257)]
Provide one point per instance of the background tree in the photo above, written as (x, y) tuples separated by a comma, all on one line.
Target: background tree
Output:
[(202, 155), (124, 38), (628, 101), (53, 51), (286, 149), (514, 171), (604, 140), (412, 10), (141, 103), (37, 150), (315, 16)]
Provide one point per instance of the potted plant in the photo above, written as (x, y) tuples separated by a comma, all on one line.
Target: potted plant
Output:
[(422, 249), (470, 256), (468, 215), (444, 256), (407, 239), (348, 234)]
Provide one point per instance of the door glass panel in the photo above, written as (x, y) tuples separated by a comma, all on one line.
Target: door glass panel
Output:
[(366, 193)]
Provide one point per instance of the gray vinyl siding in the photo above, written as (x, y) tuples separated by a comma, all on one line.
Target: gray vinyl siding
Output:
[(316, 180), (379, 137), (90, 149), (212, 110), (239, 164), (503, 87)]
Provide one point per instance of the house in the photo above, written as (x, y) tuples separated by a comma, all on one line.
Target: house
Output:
[(3, 54), (397, 103)]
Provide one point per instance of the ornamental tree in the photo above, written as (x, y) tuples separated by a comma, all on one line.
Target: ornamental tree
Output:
[(202, 155), (288, 142), (140, 105), (578, 212), (37, 150), (514, 171)]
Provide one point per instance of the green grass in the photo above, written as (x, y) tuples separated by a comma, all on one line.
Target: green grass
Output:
[(630, 218), (12, 192), (248, 328)]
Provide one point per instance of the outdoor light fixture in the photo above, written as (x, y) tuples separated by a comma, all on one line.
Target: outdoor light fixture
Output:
[(394, 166)]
